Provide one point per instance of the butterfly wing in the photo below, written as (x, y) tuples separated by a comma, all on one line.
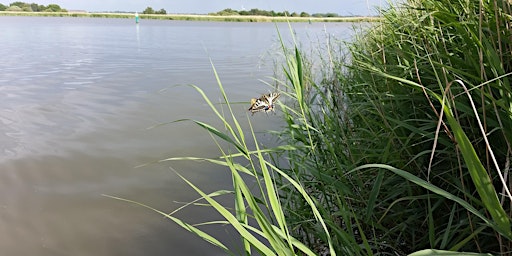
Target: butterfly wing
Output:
[(264, 103), (259, 105), (270, 99)]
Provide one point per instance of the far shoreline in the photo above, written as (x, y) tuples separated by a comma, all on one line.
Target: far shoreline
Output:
[(194, 17)]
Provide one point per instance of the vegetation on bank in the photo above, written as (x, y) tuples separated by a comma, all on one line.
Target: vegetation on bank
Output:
[(33, 7), (253, 15), (192, 17), (149, 10), (258, 12), (400, 145), (405, 139)]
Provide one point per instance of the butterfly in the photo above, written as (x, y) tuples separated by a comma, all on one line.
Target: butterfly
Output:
[(265, 103)]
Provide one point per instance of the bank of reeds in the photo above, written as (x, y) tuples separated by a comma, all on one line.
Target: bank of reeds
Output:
[(193, 17), (407, 138)]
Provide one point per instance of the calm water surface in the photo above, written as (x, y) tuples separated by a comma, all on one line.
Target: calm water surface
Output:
[(76, 99)]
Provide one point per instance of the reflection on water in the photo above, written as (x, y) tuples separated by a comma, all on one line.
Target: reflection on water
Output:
[(77, 98)]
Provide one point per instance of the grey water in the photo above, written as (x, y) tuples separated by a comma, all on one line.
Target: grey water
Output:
[(84, 101)]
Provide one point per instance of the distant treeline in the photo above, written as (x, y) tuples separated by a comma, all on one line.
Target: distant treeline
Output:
[(258, 12), (149, 10), (33, 7), (252, 12)]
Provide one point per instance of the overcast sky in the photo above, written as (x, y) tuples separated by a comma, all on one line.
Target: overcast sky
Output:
[(342, 7)]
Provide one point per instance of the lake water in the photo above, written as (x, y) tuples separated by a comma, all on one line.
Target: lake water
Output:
[(77, 96)]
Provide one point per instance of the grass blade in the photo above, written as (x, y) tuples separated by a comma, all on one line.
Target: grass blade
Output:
[(183, 224), (412, 178)]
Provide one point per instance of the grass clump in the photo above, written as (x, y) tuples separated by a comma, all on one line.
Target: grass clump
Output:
[(256, 214), (407, 137)]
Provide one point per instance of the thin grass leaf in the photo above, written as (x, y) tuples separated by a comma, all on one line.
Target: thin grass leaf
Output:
[(221, 135), (210, 160), (181, 223), (240, 135), (266, 227), (410, 177), (296, 243), (195, 202), (467, 239), (232, 220), (479, 175), (310, 202), (271, 193), (446, 236), (236, 142), (432, 252), (374, 194), (241, 213)]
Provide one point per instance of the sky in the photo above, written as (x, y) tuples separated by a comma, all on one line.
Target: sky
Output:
[(341, 7)]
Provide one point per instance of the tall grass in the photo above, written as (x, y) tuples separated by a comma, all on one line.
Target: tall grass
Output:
[(411, 133), (257, 213), (266, 209), (401, 146)]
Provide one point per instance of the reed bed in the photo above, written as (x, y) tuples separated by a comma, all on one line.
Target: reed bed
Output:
[(407, 135), (400, 145), (193, 17)]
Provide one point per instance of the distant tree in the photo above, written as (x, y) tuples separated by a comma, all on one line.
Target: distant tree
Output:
[(37, 8), (34, 7), (331, 14), (53, 8), (23, 6), (14, 8), (161, 11), (258, 12), (148, 10), (304, 14), (19, 4), (265, 13), (228, 12)]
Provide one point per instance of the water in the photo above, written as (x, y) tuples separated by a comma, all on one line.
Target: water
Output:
[(77, 98)]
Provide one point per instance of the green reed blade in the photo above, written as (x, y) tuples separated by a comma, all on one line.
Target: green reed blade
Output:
[(429, 186), (479, 175), (181, 223), (232, 220), (236, 142), (240, 135), (222, 136), (271, 193), (432, 252)]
